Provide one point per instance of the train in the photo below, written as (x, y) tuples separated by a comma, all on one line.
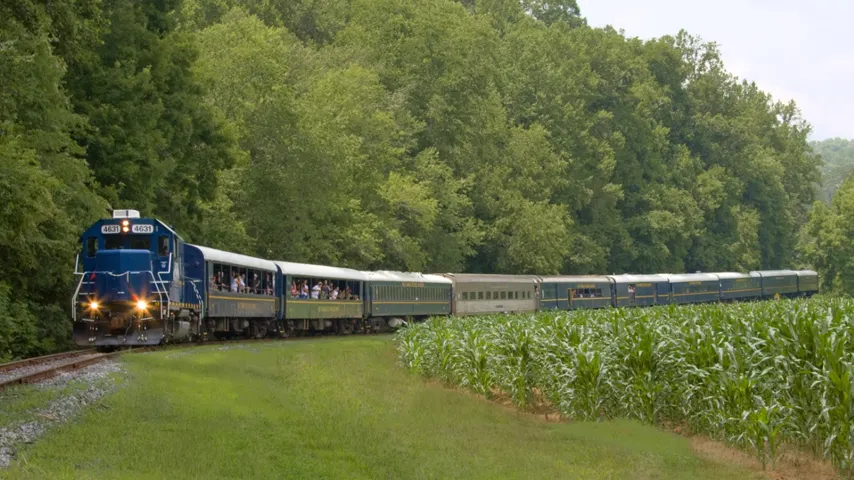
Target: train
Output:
[(141, 284)]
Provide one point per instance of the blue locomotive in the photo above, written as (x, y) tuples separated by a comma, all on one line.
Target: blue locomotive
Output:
[(141, 284)]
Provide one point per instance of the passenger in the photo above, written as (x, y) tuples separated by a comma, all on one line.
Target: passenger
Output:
[(256, 284), (304, 291), (334, 294), (294, 292), (241, 283), (234, 284), (315, 291), (324, 290), (269, 285)]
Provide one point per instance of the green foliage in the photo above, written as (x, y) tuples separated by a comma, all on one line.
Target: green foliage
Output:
[(436, 135), (838, 163), (827, 240), (152, 141), (757, 375), (45, 185)]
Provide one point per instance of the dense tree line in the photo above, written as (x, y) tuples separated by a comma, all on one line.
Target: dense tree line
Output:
[(838, 162), (428, 135)]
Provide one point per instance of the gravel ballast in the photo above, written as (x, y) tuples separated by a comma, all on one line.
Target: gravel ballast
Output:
[(95, 382), (30, 369)]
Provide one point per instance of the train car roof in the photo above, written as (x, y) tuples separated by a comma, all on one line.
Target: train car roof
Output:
[(574, 279), (691, 277), (485, 277), (774, 273), (732, 275), (320, 271), (806, 273), (214, 255), (392, 276), (634, 278)]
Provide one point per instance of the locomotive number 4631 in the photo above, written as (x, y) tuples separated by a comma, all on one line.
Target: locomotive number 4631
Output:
[(142, 228)]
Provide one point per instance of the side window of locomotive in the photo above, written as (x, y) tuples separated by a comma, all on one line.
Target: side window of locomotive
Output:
[(91, 246), (163, 245)]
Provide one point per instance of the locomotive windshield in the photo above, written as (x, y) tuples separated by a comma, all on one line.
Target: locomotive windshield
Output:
[(133, 242)]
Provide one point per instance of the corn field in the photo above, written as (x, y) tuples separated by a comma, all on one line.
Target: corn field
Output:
[(755, 375)]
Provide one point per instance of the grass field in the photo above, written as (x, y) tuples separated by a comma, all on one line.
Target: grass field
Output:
[(333, 408), (764, 376)]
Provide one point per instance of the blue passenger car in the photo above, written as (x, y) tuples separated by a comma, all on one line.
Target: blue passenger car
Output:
[(131, 288), (575, 292), (640, 290), (694, 288)]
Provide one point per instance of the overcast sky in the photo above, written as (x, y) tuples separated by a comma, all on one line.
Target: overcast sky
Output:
[(801, 50)]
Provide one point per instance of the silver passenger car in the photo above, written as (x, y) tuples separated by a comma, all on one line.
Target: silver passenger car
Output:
[(481, 293)]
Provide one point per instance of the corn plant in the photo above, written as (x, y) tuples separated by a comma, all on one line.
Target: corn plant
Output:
[(757, 375)]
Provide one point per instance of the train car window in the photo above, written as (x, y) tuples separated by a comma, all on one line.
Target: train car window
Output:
[(91, 246), (251, 281), (163, 245), (503, 295), (480, 295), (465, 295)]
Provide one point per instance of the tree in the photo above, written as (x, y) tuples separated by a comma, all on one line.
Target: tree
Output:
[(837, 163), (827, 241), (45, 184), (151, 140)]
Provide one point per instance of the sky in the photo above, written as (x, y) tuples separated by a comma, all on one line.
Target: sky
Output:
[(801, 50)]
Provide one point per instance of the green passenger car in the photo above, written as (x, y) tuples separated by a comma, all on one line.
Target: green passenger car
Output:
[(778, 282), (396, 296), (240, 294), (807, 283), (321, 298), (739, 286)]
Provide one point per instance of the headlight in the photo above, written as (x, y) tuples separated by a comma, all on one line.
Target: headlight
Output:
[(141, 304), (94, 305)]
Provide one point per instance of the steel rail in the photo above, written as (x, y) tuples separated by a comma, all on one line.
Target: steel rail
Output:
[(5, 367)]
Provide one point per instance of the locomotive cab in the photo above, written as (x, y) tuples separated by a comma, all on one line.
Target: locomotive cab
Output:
[(130, 289)]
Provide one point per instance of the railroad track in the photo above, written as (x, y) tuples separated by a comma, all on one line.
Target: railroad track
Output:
[(36, 369)]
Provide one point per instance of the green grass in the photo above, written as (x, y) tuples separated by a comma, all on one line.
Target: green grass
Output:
[(20, 403), (336, 408)]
